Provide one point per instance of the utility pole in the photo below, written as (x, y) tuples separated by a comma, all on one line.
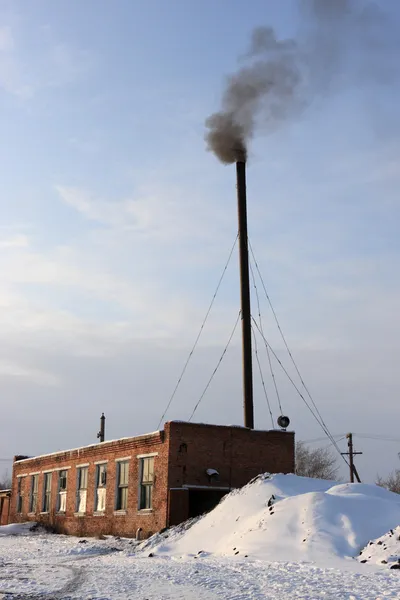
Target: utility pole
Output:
[(245, 296), (351, 454)]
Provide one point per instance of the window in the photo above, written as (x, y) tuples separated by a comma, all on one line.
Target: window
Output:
[(34, 493), (101, 481), (46, 492), (20, 495), (122, 485), (146, 483), (81, 494), (62, 491)]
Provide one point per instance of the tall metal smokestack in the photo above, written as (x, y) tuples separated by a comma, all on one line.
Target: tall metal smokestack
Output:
[(245, 296), (102, 433)]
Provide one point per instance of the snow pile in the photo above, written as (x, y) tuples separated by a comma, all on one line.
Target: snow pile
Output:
[(290, 518), (384, 550), (17, 528)]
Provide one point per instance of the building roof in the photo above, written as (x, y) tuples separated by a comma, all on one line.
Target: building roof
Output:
[(97, 445), (139, 437)]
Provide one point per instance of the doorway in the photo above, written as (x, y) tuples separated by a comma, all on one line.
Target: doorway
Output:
[(202, 501)]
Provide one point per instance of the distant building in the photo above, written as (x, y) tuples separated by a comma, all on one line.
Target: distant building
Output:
[(139, 485), (5, 500)]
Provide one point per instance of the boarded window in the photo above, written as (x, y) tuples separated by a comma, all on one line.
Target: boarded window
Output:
[(46, 492), (122, 485), (146, 483), (34, 493), (101, 482), (82, 483)]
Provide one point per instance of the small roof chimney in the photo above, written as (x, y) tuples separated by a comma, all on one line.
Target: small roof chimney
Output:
[(102, 432)]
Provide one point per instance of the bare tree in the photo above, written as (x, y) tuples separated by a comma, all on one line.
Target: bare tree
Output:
[(319, 463), (5, 481), (391, 482)]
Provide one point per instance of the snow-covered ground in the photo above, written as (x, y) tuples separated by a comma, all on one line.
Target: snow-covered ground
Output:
[(280, 537)]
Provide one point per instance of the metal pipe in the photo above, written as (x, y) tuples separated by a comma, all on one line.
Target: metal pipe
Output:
[(102, 433), (245, 296)]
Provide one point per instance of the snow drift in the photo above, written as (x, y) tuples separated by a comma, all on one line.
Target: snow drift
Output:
[(383, 551), (17, 529), (290, 518)]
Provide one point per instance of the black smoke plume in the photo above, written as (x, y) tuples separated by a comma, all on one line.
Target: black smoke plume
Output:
[(277, 79)]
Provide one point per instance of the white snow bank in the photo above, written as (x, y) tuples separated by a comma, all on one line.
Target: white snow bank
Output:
[(309, 520), (16, 528), (384, 550)]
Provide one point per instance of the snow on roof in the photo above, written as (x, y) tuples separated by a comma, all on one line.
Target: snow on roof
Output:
[(98, 444)]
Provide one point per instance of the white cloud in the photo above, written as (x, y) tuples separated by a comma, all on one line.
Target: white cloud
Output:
[(12, 79), (6, 39), (155, 211), (55, 64), (35, 376), (16, 241), (67, 64)]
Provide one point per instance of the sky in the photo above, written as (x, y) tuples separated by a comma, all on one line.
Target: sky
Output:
[(116, 224)]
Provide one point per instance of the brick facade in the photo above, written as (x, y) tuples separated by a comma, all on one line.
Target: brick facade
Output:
[(181, 488), (5, 498)]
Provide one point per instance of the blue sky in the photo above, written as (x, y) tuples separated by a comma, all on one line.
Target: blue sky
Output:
[(116, 224)]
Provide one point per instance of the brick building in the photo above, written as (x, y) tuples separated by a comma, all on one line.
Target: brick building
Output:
[(5, 498), (139, 485)]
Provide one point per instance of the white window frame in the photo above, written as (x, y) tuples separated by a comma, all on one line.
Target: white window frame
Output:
[(34, 493), (62, 491), (20, 494), (143, 503), (81, 492), (101, 467), (46, 500), (121, 496)]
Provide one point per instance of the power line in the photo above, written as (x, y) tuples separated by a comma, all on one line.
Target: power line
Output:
[(218, 364), (199, 334), (322, 439), (261, 327), (319, 420), (376, 437), (337, 441), (285, 342), (262, 376)]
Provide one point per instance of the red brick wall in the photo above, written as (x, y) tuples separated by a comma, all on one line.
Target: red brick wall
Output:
[(184, 452), (91, 524), (238, 454), (4, 508)]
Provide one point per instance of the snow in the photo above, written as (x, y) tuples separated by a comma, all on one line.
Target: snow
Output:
[(309, 520), (250, 547), (16, 528), (211, 472), (98, 444), (384, 550)]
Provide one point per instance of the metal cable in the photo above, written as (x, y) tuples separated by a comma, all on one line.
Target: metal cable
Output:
[(262, 376), (262, 330), (376, 437), (322, 422), (199, 334), (218, 364), (322, 439), (319, 421)]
